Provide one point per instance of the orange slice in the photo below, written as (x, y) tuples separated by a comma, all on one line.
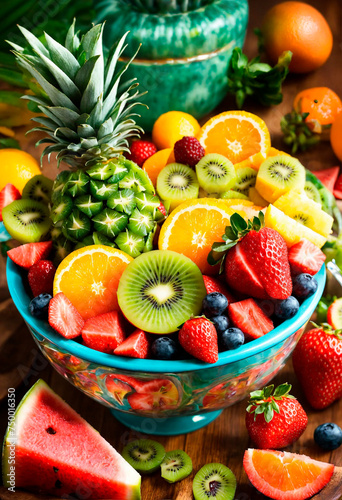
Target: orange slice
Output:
[(286, 476), (155, 163), (236, 135), (90, 276), (193, 227)]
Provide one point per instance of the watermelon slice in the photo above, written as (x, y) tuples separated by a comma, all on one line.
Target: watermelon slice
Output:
[(328, 177), (58, 453)]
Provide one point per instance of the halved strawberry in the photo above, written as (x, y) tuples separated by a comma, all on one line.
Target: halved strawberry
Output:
[(305, 257), (334, 314), (8, 194), (155, 394), (250, 318), (135, 346), (338, 188), (30, 253), (215, 285), (104, 332), (328, 177), (64, 317)]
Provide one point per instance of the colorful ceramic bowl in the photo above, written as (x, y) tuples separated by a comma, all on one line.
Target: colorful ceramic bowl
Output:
[(165, 397)]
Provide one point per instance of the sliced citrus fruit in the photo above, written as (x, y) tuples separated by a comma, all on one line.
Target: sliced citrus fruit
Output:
[(172, 126), (90, 276), (253, 161), (155, 163), (193, 227), (237, 135), (286, 476)]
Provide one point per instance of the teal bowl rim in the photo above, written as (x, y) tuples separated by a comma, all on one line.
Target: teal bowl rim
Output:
[(277, 335)]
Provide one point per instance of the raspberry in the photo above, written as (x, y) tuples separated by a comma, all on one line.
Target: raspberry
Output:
[(188, 151), (140, 151)]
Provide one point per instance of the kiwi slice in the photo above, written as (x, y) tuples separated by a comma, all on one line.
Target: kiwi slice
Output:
[(312, 192), (177, 183), (277, 175), (245, 179), (26, 220), (144, 455), (231, 194), (160, 290), (215, 173), (38, 188), (176, 466), (215, 481)]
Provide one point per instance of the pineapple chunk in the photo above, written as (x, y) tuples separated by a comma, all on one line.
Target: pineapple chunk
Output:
[(256, 197), (290, 230), (309, 213)]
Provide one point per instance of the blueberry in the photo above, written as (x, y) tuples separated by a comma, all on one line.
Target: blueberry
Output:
[(164, 348), (287, 308), (304, 285), (214, 304), (221, 323), (328, 436), (39, 306), (232, 338)]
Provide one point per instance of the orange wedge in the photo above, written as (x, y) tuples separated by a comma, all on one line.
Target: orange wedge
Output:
[(238, 135), (286, 476), (253, 161), (155, 163), (90, 276), (193, 227)]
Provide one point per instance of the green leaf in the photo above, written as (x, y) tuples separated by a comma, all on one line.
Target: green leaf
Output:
[(238, 223), (282, 390), (275, 406), (257, 394), (268, 391), (269, 413)]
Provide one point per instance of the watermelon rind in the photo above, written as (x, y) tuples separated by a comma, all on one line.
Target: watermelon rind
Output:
[(25, 406)]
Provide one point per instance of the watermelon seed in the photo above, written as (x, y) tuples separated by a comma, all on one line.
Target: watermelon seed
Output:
[(58, 484), (55, 469), (50, 430)]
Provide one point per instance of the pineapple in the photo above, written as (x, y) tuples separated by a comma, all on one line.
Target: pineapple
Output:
[(103, 197)]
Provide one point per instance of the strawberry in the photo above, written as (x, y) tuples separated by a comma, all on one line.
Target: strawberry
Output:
[(104, 332), (140, 151), (215, 285), (154, 394), (29, 254), (198, 337), (257, 261), (135, 346), (334, 314), (338, 188), (250, 318), (188, 151), (8, 194), (274, 418), (40, 277), (64, 317), (317, 361), (305, 257)]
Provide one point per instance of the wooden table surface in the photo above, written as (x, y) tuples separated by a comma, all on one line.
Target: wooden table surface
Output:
[(226, 439)]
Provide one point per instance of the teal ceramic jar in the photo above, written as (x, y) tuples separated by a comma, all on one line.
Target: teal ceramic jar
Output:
[(184, 56)]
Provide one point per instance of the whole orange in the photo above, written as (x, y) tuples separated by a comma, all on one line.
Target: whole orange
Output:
[(301, 28), (336, 136), (322, 104)]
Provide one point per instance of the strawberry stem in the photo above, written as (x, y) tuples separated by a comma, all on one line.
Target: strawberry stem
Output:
[(264, 401)]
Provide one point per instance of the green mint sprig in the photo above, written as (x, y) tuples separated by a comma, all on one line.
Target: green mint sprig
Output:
[(256, 79), (233, 234), (265, 400)]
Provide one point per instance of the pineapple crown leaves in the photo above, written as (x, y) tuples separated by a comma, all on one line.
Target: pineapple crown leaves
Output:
[(265, 400), (233, 234), (328, 329), (87, 111)]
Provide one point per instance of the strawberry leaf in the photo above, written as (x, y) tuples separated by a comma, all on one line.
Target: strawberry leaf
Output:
[(268, 391), (264, 401), (269, 413), (282, 390)]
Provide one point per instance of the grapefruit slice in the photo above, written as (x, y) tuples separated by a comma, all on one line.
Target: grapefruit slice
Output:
[(286, 476), (58, 453)]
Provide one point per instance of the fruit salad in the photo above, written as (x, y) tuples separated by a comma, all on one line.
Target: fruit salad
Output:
[(189, 245)]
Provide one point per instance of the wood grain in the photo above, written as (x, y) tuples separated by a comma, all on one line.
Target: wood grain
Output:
[(226, 439)]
